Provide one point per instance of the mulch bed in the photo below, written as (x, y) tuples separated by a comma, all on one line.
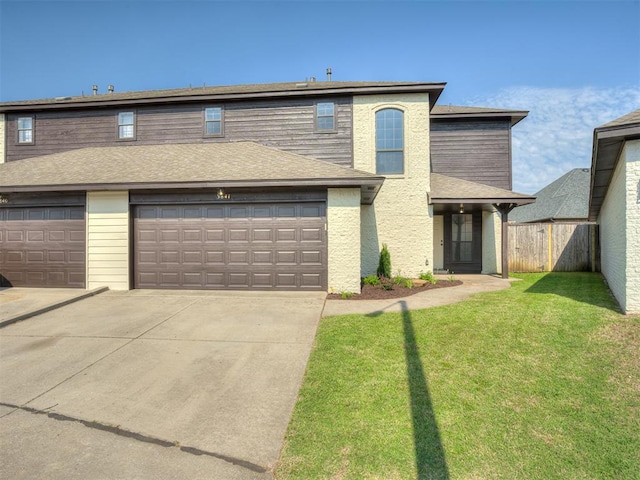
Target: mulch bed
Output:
[(370, 292)]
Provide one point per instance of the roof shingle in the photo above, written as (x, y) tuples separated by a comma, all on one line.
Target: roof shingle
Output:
[(175, 164)]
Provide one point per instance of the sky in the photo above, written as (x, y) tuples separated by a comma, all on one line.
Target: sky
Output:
[(574, 65)]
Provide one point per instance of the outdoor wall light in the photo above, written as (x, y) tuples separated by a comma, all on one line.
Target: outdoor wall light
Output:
[(461, 208)]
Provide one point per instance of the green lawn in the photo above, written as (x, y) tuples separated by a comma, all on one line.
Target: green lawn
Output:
[(540, 381)]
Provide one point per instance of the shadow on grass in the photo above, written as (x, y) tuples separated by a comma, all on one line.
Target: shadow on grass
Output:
[(430, 456), (584, 287)]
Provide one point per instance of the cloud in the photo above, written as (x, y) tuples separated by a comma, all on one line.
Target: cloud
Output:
[(557, 134)]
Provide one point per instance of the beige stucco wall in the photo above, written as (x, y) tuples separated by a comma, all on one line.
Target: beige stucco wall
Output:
[(491, 243), (400, 215), (631, 158), (613, 235), (108, 240), (3, 138), (343, 239)]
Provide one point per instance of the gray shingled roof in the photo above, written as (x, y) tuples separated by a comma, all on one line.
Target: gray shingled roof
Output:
[(445, 189), (176, 165), (628, 119), (566, 198), (262, 90)]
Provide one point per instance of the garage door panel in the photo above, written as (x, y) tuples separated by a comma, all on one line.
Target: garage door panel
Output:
[(238, 235), (215, 280), (286, 235), (230, 246), (16, 236), (239, 279), (215, 235), (214, 257)]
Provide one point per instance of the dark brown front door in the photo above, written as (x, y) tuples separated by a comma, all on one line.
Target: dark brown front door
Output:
[(231, 246), (42, 246), (463, 242)]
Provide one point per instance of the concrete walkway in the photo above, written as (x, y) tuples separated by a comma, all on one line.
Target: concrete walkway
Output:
[(430, 298)]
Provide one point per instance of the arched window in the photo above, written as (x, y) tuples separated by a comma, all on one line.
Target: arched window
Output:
[(389, 141)]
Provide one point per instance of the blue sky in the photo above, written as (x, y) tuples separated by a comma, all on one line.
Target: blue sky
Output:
[(574, 64)]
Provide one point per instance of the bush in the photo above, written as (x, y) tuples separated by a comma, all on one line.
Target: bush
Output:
[(384, 265), (371, 280), (345, 295), (428, 276), (403, 281)]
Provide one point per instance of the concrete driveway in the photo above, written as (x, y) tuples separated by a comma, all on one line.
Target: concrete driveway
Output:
[(154, 384)]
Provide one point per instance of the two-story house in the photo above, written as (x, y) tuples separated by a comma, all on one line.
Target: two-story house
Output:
[(270, 186)]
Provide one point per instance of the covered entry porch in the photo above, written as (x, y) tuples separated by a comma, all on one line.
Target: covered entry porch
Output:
[(469, 225)]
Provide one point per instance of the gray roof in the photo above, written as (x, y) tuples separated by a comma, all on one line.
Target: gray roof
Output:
[(203, 165), (608, 140), (454, 111), (628, 119), (564, 199), (229, 92), (445, 189)]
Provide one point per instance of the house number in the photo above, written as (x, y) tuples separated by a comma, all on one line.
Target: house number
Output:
[(222, 195), (3, 199)]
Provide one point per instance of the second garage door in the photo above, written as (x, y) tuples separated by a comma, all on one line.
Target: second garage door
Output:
[(231, 246)]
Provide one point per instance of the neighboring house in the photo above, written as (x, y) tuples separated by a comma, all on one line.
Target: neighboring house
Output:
[(615, 204), (270, 186), (563, 200)]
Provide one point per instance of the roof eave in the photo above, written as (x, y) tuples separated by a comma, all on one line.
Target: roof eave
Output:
[(371, 185), (434, 89), (491, 200), (619, 135), (514, 116)]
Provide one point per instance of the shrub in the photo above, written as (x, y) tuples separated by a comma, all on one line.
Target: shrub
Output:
[(403, 281), (428, 277), (384, 265), (371, 280), (345, 295)]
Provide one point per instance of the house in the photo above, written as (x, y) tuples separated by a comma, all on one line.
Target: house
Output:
[(563, 200), (614, 203), (270, 186)]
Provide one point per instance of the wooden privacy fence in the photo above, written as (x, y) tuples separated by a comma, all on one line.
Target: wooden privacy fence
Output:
[(553, 247)]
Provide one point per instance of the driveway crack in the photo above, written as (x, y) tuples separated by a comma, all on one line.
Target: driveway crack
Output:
[(116, 430)]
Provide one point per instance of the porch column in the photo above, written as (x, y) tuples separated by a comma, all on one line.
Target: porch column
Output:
[(504, 209)]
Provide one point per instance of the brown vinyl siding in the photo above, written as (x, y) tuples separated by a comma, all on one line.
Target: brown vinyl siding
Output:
[(474, 150), (287, 125)]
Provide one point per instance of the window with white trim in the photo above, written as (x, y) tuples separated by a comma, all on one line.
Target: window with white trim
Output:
[(325, 117), (213, 126), (390, 141), (25, 129), (126, 125)]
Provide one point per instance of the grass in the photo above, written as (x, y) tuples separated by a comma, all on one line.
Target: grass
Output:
[(538, 381)]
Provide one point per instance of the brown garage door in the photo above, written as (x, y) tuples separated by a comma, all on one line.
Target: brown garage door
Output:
[(42, 246), (231, 246)]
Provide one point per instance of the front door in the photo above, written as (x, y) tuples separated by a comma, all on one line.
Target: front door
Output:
[(463, 242), (438, 243)]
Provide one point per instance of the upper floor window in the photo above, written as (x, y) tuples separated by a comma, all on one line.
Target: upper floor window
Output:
[(25, 129), (213, 121), (126, 125), (325, 117), (390, 141)]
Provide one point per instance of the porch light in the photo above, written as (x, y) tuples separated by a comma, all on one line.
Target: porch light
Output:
[(461, 208)]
